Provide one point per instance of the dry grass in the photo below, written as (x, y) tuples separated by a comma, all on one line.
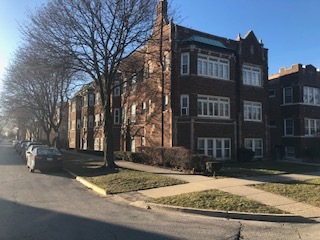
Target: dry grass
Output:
[(259, 168), (306, 191), (217, 200), (117, 180)]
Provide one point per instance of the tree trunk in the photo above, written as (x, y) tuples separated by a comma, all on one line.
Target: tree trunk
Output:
[(108, 140)]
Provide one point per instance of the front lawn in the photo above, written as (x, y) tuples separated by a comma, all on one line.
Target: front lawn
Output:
[(217, 200), (126, 180), (117, 180), (260, 168), (304, 191)]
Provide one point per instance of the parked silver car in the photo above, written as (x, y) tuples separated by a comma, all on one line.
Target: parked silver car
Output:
[(44, 158)]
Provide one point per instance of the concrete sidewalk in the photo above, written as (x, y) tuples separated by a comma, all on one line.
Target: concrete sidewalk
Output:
[(237, 186)]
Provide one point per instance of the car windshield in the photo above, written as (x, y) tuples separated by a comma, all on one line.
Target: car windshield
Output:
[(48, 151)]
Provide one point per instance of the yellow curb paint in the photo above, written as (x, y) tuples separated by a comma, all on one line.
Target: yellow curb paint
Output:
[(92, 186)]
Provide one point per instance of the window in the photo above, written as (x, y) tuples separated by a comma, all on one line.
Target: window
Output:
[(149, 107), (287, 95), (272, 93), (98, 97), (166, 62), (149, 70), (116, 115), (133, 113), (311, 95), (85, 101), (143, 141), (219, 148), (134, 82), (312, 127), (116, 88), (143, 107), (255, 145), (96, 144), (288, 127), (84, 122), (79, 104), (166, 100), (213, 67), (251, 76), (252, 111), (185, 63), (90, 121), (290, 152), (97, 120), (124, 115), (211, 106), (91, 100), (78, 123), (184, 101)]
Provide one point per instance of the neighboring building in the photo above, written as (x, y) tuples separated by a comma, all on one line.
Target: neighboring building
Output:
[(208, 94), (294, 99), (60, 139), (86, 119)]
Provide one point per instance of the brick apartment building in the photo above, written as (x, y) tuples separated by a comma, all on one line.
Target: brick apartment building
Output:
[(294, 100), (209, 93), (86, 119)]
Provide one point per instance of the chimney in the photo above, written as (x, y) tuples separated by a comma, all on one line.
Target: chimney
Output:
[(162, 11)]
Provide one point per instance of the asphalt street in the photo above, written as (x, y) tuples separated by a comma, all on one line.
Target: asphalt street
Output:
[(55, 206)]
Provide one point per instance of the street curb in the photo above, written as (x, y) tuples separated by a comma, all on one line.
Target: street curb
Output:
[(88, 184), (233, 215)]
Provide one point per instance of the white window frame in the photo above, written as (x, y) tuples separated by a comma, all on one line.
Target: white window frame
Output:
[(290, 152), (312, 127), (285, 124), (311, 95), (185, 63), (97, 120), (213, 107), (251, 76), (213, 67), (149, 107), (97, 97), (96, 146), (116, 115), (210, 146), (253, 145), (166, 62), (84, 122), (184, 102), (133, 113), (124, 115), (285, 100), (252, 111)]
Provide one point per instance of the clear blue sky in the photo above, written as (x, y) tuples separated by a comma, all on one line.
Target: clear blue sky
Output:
[(288, 28)]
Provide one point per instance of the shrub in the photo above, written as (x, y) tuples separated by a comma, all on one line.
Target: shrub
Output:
[(137, 157), (245, 155), (312, 155), (170, 157)]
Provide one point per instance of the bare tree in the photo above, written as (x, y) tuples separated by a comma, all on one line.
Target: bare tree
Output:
[(37, 87), (98, 35)]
